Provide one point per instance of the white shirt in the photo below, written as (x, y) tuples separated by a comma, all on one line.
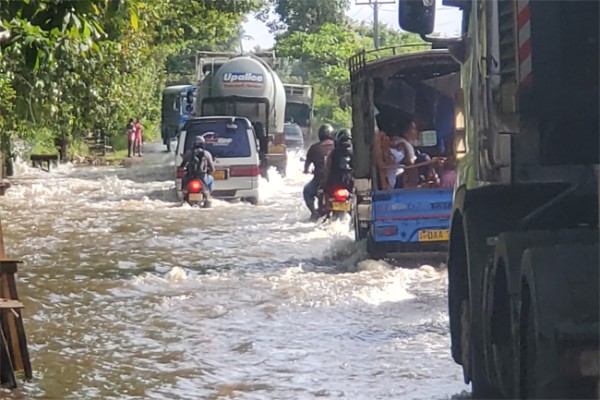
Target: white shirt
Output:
[(396, 170), (410, 150)]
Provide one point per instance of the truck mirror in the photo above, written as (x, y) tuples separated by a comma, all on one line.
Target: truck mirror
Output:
[(416, 16), (190, 97)]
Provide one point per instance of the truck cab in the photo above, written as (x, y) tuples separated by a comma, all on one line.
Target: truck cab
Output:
[(420, 87), (523, 276), (299, 108)]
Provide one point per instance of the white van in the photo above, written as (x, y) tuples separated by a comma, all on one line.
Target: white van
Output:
[(233, 145)]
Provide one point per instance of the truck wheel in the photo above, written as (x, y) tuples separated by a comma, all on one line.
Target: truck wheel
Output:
[(359, 233), (374, 249), (477, 257), (474, 368), (558, 318), (282, 171), (252, 200)]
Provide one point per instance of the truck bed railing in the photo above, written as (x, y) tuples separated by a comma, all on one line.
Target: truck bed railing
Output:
[(358, 62)]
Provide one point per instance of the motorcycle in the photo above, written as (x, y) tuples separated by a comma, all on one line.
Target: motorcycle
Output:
[(196, 193), (335, 204)]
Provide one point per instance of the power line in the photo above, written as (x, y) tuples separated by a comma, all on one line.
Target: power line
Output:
[(375, 4)]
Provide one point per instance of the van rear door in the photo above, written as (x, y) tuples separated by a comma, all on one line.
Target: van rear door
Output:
[(233, 146)]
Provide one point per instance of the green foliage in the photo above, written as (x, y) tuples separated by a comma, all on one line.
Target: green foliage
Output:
[(305, 15), (321, 52), (324, 56), (71, 67)]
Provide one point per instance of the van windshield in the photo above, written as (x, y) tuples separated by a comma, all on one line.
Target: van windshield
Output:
[(221, 142)]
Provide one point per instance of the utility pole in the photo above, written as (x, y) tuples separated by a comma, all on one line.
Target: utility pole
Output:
[(375, 4)]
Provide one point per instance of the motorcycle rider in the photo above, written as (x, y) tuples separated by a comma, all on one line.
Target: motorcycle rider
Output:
[(198, 163), (316, 155), (339, 163), (263, 148)]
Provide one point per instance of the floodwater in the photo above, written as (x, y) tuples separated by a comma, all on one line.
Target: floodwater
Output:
[(129, 294)]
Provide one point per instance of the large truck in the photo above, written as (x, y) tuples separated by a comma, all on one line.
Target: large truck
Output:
[(523, 260), (245, 86), (389, 86), (177, 106), (299, 108)]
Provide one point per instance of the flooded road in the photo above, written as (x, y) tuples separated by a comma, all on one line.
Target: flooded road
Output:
[(128, 294)]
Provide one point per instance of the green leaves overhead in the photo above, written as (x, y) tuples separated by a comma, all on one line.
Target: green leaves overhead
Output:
[(74, 66), (320, 38), (306, 15)]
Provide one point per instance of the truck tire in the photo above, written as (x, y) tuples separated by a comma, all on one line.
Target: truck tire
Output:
[(374, 249), (478, 255), (359, 233), (555, 318)]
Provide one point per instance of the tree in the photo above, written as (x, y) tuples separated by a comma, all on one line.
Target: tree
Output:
[(321, 58), (324, 55), (74, 66), (390, 37), (306, 15)]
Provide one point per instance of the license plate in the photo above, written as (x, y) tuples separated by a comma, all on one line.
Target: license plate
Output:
[(339, 206), (434, 235), (276, 150), (195, 197), (220, 175)]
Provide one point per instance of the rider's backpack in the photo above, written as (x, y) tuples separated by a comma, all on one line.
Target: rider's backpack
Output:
[(198, 166)]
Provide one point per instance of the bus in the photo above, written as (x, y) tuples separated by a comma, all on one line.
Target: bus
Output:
[(177, 106)]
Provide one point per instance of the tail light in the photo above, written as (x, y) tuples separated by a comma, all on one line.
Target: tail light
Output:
[(341, 194), (244, 171), (387, 230), (180, 172), (195, 186)]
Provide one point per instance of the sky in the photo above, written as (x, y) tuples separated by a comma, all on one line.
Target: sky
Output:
[(447, 21)]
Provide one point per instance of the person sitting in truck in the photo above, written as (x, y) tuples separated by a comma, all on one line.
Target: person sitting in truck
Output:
[(448, 175), (417, 166), (316, 155), (384, 160)]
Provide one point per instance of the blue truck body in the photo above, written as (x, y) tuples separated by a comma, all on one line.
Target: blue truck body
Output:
[(411, 220), (387, 89)]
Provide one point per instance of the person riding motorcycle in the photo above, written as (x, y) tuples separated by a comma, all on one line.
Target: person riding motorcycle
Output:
[(339, 163), (198, 163), (316, 155)]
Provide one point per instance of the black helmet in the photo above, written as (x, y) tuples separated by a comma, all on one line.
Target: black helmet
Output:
[(343, 135), (326, 132), (199, 142)]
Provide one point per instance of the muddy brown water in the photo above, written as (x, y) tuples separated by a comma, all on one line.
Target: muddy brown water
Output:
[(130, 295)]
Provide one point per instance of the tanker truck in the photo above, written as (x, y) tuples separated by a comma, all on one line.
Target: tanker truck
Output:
[(245, 86), (523, 253)]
